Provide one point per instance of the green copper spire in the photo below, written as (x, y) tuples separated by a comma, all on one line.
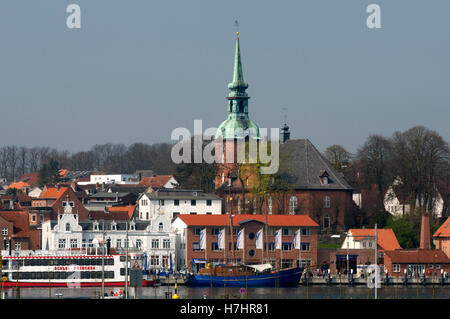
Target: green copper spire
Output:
[(238, 125), (238, 86)]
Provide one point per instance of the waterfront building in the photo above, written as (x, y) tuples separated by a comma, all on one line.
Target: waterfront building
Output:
[(364, 238), (441, 238), (416, 261), (153, 237), (205, 239), (176, 202)]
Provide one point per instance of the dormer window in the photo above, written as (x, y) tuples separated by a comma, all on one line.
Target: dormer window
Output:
[(324, 180), (67, 227), (161, 227)]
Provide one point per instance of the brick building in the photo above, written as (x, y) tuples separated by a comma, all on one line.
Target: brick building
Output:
[(191, 254), (441, 237), (415, 261)]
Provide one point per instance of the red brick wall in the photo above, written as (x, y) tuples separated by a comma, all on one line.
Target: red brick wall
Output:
[(250, 227)]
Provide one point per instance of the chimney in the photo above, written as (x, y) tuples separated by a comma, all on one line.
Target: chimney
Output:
[(425, 232)]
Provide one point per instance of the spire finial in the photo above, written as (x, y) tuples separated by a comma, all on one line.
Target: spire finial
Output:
[(236, 24)]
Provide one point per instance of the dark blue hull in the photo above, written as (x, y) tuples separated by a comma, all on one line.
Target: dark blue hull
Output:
[(286, 277)]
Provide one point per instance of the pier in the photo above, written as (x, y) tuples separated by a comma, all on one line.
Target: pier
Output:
[(385, 281)]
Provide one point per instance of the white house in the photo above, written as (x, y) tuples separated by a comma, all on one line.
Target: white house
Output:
[(175, 202), (35, 192), (395, 205), (153, 237), (111, 179)]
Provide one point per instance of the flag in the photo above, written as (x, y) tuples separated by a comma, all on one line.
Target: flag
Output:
[(202, 238), (240, 239), (259, 239), (221, 239), (297, 239), (278, 239)]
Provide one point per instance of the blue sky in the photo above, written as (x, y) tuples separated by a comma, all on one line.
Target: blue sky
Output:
[(136, 70)]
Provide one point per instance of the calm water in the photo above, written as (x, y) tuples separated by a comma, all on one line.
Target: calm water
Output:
[(300, 292)]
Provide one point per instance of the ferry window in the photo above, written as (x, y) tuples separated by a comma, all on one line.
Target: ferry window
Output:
[(38, 275), (51, 275), (33, 275)]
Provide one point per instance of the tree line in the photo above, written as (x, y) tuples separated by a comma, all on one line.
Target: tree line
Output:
[(109, 158)]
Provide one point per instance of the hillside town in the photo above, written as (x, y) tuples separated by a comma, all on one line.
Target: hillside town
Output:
[(314, 213)]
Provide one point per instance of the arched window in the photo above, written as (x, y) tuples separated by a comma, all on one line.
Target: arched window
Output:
[(326, 202), (67, 227), (293, 201), (161, 227)]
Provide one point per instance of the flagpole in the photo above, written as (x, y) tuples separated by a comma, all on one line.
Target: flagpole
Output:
[(299, 248)]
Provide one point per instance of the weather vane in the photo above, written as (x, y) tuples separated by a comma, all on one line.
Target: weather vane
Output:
[(236, 24)]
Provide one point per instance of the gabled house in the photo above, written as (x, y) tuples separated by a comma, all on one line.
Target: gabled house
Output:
[(441, 237)]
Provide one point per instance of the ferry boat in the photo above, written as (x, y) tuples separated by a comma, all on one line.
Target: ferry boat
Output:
[(46, 270), (245, 276)]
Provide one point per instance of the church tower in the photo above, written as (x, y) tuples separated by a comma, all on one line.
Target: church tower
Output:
[(237, 126)]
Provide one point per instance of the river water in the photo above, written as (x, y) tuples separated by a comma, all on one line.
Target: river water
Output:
[(299, 292)]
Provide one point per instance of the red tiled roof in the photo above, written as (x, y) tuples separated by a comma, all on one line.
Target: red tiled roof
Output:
[(53, 192), (444, 230), (224, 220), (418, 256), (385, 237), (20, 221), (30, 178), (129, 210), (63, 172), (18, 185), (155, 181)]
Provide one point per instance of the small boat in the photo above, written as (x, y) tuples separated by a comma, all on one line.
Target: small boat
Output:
[(260, 275)]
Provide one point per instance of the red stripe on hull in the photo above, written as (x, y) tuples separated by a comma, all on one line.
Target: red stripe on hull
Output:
[(10, 284)]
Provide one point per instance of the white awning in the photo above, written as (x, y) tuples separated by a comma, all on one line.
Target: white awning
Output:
[(260, 267)]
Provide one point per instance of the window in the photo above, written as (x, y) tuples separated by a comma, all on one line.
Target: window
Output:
[(269, 205), (17, 245), (326, 201), (196, 246), (154, 260), (138, 243), (208, 202), (67, 227), (396, 267), (193, 202), (215, 231), (325, 180), (160, 227), (4, 231), (193, 213), (73, 243), (33, 218), (305, 231), (293, 201), (214, 246), (305, 246), (62, 243), (161, 202), (155, 243), (438, 266), (286, 246), (286, 232), (251, 236), (166, 243), (326, 221), (118, 243), (176, 202), (197, 231), (165, 261)]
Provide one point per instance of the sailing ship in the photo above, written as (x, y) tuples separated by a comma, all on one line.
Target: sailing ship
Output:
[(261, 275), (41, 269)]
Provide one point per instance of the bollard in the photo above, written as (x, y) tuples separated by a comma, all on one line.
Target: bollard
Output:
[(175, 295)]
